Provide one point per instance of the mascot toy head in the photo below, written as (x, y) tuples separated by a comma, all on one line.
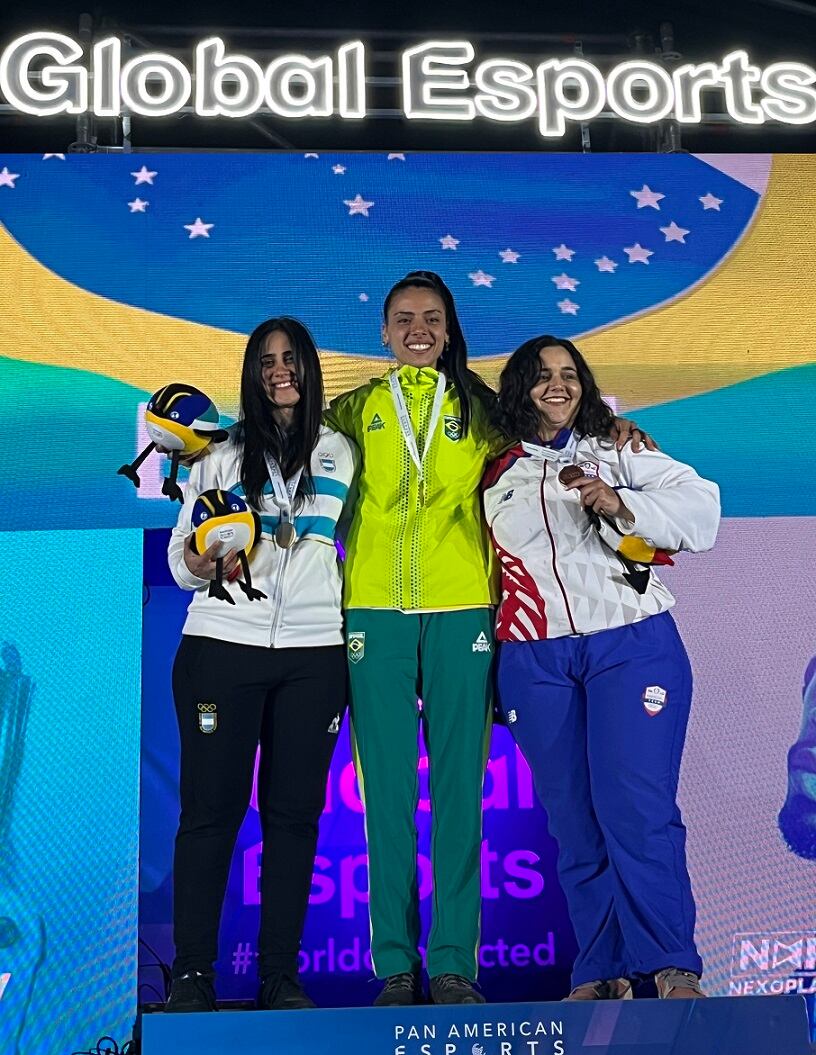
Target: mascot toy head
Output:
[(182, 420), (223, 517)]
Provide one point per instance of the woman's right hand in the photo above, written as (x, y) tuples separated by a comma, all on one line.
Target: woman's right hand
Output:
[(202, 565)]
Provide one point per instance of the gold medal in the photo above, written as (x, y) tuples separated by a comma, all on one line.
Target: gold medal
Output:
[(285, 534)]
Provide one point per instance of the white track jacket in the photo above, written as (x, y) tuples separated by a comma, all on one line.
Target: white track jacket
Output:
[(560, 573), (302, 584)]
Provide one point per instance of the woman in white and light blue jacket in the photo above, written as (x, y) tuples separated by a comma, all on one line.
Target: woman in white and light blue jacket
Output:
[(269, 671)]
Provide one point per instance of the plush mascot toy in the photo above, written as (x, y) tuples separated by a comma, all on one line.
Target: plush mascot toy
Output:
[(222, 516), (184, 421)]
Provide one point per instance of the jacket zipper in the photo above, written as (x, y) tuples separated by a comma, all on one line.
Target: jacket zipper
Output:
[(552, 545), (278, 595)]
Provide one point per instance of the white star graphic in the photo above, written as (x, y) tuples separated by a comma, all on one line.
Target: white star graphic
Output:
[(396, 157), (568, 307), (45, 157), (199, 228), (674, 233), (144, 175), (449, 242), (647, 197), (363, 297), (358, 205), (509, 256), (7, 178), (479, 278), (710, 202), (311, 155), (338, 170), (637, 254), (562, 253), (603, 263), (138, 205), (563, 281)]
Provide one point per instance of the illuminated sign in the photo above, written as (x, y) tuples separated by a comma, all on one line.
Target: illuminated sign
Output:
[(43, 74)]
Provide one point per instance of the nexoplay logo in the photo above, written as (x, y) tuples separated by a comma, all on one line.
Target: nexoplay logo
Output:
[(773, 962)]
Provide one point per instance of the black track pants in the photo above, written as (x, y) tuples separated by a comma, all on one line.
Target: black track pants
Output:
[(229, 699)]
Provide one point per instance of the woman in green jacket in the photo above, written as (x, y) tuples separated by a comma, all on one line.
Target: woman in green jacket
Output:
[(418, 591), (419, 587)]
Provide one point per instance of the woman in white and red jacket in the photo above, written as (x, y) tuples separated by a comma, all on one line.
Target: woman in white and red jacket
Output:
[(594, 681), (269, 671)]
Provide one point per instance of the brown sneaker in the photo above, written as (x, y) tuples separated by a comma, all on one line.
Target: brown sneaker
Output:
[(674, 984), (605, 989)]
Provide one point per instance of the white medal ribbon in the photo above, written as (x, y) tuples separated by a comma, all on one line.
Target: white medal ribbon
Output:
[(406, 425), (550, 454), (283, 490)]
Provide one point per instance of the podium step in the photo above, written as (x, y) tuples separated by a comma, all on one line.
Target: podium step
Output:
[(715, 1026)]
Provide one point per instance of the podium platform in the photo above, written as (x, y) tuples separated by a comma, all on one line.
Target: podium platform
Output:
[(714, 1026)]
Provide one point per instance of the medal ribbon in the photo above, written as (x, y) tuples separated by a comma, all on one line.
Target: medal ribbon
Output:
[(406, 425), (565, 454), (284, 491)]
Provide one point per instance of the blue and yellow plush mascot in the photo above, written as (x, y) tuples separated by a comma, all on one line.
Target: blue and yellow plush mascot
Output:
[(182, 420), (223, 516)]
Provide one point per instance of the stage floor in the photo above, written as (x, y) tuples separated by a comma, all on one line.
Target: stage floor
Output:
[(716, 1026)]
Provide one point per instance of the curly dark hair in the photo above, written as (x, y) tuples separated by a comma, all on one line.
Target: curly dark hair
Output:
[(518, 415)]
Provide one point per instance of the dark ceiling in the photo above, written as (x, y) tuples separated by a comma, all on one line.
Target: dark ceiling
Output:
[(703, 29)]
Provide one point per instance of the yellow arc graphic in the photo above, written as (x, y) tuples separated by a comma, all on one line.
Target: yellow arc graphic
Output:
[(749, 317)]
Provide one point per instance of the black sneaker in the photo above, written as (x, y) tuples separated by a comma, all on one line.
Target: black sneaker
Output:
[(191, 992), (283, 992), (401, 990), (454, 989)]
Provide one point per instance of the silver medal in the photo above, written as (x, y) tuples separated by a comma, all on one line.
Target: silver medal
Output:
[(285, 534), (284, 492)]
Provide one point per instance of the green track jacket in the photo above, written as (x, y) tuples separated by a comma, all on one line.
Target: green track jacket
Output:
[(400, 553)]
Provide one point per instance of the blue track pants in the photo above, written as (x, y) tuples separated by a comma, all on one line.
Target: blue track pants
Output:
[(601, 720)]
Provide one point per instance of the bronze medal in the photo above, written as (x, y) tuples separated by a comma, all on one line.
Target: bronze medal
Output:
[(570, 473), (285, 534)]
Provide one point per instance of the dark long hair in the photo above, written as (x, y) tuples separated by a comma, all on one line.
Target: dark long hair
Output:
[(517, 412), (258, 430), (453, 361)]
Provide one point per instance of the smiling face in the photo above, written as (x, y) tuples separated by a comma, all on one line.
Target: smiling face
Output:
[(557, 393), (279, 372), (416, 328)]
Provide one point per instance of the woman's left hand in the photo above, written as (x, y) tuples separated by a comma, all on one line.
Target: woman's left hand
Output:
[(600, 497), (625, 430)]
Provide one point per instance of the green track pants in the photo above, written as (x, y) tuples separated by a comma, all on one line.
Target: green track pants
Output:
[(445, 658)]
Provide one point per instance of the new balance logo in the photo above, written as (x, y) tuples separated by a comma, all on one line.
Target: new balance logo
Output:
[(376, 424), (481, 644), (334, 727), (511, 717)]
